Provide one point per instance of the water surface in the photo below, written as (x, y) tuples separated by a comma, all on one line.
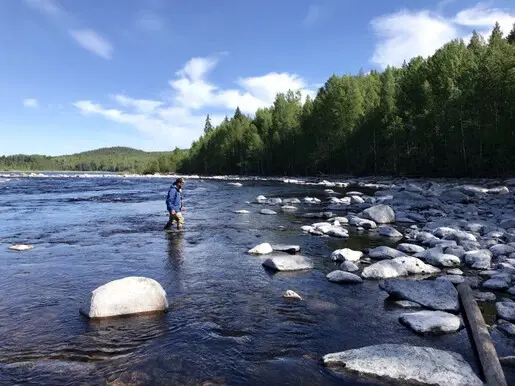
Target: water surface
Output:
[(227, 324)]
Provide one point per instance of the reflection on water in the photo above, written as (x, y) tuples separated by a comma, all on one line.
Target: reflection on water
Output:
[(227, 322), (175, 249)]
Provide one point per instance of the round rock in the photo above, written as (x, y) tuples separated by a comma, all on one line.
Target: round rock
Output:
[(130, 295)]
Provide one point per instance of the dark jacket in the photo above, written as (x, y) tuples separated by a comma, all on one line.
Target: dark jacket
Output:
[(174, 199)]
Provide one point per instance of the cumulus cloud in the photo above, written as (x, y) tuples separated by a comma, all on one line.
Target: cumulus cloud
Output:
[(405, 34), (180, 120), (93, 42), (31, 102)]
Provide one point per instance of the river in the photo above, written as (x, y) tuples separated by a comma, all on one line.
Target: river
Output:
[(227, 323)]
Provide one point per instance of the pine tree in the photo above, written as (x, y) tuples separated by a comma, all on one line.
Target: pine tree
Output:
[(511, 36), (237, 113), (208, 127), (496, 35)]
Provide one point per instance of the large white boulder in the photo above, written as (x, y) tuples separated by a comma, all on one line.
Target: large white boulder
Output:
[(431, 322), (346, 254), (381, 214), (130, 295), (261, 249), (405, 364), (288, 263)]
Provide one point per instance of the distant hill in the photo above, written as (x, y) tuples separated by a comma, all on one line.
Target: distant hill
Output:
[(108, 159)]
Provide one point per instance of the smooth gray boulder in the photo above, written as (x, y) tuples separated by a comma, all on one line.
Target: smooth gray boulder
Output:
[(501, 249), (398, 267), (130, 295), (288, 263), (455, 271), (404, 363), (506, 310), (346, 254), (267, 211), (388, 231), (498, 284), (385, 269), (506, 327), (410, 248), (435, 256), (380, 214), (431, 322), (383, 252), (362, 222), (349, 266), (432, 294), (343, 277), (479, 259)]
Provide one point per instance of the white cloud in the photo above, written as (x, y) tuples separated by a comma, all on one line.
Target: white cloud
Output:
[(180, 120), (481, 16), (406, 34), (313, 15), (91, 41), (31, 102)]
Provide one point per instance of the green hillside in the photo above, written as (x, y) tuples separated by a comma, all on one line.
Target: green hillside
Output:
[(109, 159)]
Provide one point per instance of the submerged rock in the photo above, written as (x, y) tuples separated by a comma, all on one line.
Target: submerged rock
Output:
[(288, 208), (388, 231), (267, 211), (431, 322), (20, 247), (261, 249), (380, 214), (454, 279), (343, 277), (289, 294), (241, 211), (286, 248), (288, 263), (433, 294), (346, 254), (130, 295), (405, 363), (407, 304)]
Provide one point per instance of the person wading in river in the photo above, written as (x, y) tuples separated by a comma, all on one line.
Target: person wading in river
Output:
[(174, 204)]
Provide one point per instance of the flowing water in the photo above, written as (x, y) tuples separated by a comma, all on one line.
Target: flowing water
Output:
[(227, 323)]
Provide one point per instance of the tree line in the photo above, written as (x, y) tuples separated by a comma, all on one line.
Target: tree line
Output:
[(451, 114), (113, 159)]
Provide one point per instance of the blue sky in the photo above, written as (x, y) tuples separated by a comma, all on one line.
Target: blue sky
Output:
[(144, 73)]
